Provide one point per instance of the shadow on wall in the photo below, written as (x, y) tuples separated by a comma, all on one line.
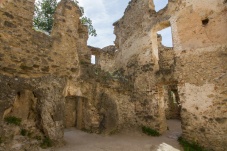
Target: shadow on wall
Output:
[(172, 102), (74, 107), (108, 113)]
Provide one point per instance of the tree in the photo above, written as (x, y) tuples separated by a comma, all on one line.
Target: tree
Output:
[(44, 12), (88, 22), (44, 16)]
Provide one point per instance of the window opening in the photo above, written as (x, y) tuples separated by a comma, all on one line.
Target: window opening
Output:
[(160, 4), (93, 59), (166, 35), (205, 21)]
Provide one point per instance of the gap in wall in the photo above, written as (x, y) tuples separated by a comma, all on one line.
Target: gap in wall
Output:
[(160, 4), (93, 59), (166, 35)]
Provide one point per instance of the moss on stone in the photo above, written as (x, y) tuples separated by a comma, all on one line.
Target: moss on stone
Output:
[(190, 146), (13, 120), (46, 143), (150, 131)]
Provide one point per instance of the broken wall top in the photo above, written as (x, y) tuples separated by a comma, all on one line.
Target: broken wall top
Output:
[(24, 51), (136, 31)]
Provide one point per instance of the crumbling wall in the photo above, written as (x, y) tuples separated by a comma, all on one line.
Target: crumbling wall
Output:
[(140, 64), (206, 21), (107, 108), (201, 71), (195, 64), (132, 35), (202, 93), (36, 67), (107, 58), (129, 85)]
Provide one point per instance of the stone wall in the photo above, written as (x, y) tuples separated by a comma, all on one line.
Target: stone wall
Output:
[(47, 80), (35, 67), (195, 66), (201, 71), (28, 51), (203, 97), (107, 58)]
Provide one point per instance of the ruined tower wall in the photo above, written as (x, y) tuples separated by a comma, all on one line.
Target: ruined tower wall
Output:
[(107, 58), (196, 64), (200, 47), (199, 24), (37, 65), (29, 51), (202, 92), (136, 60), (132, 34)]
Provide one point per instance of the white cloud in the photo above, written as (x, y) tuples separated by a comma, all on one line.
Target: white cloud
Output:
[(103, 14)]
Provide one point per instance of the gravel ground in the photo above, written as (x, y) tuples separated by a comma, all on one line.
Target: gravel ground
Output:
[(77, 140)]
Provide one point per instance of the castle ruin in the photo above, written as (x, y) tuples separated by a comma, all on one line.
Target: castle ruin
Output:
[(48, 81)]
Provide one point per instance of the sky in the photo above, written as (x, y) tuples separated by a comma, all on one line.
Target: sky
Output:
[(104, 13)]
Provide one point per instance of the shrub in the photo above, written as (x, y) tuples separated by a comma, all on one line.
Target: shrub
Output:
[(23, 132), (13, 120), (46, 143), (39, 138), (150, 131), (29, 134), (190, 146), (1, 140)]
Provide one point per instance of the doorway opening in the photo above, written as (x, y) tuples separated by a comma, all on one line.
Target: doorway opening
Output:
[(74, 108), (172, 102), (172, 110)]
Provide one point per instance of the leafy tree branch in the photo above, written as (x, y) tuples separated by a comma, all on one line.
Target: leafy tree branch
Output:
[(44, 16)]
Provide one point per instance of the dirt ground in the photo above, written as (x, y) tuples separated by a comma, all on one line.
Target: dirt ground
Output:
[(77, 140)]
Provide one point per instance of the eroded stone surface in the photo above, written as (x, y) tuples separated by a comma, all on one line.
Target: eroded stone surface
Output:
[(48, 81)]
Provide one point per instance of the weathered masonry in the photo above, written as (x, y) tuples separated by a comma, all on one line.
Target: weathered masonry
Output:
[(48, 81), (193, 72)]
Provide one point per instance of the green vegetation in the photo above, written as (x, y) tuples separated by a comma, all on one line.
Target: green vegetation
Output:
[(44, 16), (88, 22), (39, 138), (86, 130), (150, 131), (46, 143), (23, 132), (13, 120), (44, 12), (1, 140), (190, 146)]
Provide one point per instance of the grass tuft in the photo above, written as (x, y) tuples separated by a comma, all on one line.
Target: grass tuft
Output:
[(150, 131), (46, 143), (190, 146), (23, 132), (13, 120)]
